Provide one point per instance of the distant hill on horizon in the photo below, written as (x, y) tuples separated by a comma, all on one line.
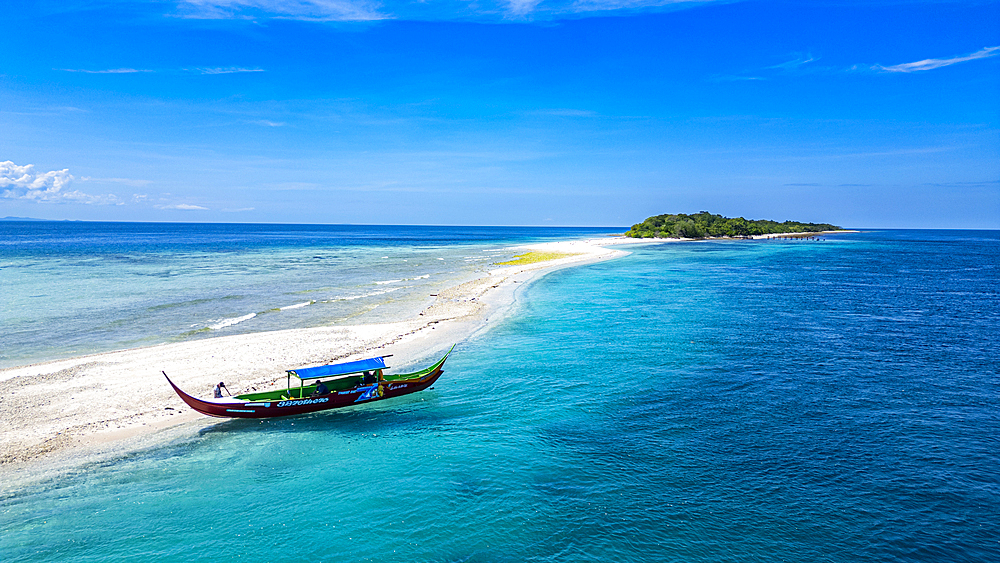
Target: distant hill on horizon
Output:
[(704, 224), (22, 219)]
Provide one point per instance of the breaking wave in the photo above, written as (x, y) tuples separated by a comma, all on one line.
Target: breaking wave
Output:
[(363, 295), (230, 322), (423, 277)]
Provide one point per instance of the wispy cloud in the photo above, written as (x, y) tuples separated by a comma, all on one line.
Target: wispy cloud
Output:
[(196, 70), (105, 71), (522, 7), (183, 207), (609, 5), (422, 10), (23, 182), (931, 64), (800, 62), (310, 10), (227, 70), (794, 65)]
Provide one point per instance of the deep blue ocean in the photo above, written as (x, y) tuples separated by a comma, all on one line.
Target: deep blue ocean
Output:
[(831, 400)]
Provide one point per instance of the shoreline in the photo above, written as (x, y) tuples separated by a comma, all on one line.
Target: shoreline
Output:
[(62, 413), (65, 412), (801, 235), (759, 237)]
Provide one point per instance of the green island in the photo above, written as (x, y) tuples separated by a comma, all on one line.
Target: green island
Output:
[(704, 224), (535, 257)]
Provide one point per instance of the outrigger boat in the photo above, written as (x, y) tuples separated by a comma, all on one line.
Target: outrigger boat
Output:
[(349, 383)]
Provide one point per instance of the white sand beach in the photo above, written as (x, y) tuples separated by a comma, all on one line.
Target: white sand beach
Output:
[(65, 410), (799, 235)]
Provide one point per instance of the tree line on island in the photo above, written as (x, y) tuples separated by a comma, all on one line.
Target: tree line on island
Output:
[(704, 224)]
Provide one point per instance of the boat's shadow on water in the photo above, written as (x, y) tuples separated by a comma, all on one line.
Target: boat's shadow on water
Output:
[(395, 415)]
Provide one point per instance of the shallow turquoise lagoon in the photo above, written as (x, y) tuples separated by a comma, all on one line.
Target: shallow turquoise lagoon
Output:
[(717, 401), (77, 288)]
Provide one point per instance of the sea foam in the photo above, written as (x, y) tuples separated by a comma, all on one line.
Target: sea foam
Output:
[(230, 322)]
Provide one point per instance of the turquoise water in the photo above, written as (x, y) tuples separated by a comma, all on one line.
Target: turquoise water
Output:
[(71, 289), (718, 401)]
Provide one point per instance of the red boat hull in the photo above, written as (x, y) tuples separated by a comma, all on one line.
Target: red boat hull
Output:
[(233, 408)]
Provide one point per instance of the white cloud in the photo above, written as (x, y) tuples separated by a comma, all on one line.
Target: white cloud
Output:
[(314, 10), (931, 64), (22, 182)]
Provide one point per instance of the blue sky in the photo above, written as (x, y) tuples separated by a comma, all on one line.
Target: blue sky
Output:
[(527, 112)]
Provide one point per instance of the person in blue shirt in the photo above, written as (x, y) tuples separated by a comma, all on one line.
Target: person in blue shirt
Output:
[(320, 390)]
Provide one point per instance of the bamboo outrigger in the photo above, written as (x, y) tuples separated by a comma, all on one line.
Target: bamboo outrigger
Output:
[(346, 384)]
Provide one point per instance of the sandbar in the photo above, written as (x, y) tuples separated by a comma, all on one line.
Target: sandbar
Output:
[(66, 411)]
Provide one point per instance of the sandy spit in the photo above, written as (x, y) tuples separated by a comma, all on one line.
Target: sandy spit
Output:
[(68, 411), (800, 235)]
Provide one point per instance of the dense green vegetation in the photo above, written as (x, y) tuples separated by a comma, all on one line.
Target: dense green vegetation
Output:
[(704, 224)]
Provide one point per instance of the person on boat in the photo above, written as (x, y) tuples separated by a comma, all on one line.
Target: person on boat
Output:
[(320, 390), (217, 392), (368, 378)]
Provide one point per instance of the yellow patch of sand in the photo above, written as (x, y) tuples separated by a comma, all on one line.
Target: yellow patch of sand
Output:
[(534, 257)]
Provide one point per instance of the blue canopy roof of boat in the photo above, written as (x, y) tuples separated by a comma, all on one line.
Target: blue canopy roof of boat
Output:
[(334, 370)]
